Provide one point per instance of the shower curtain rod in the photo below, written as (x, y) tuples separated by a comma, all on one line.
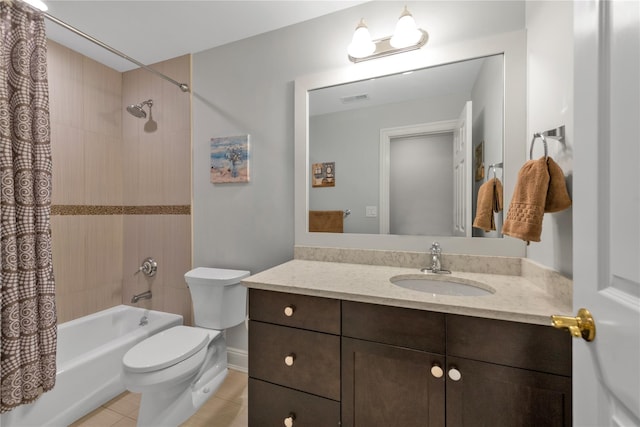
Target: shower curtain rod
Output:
[(183, 86)]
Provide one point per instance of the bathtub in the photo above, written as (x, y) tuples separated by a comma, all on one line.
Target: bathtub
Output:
[(89, 361)]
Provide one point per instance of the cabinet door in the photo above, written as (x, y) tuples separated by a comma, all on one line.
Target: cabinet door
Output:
[(388, 386), (500, 396)]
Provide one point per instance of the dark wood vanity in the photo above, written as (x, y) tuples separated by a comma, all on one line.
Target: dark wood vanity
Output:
[(316, 361)]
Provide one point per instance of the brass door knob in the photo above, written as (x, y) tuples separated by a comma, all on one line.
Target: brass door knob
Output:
[(582, 325)]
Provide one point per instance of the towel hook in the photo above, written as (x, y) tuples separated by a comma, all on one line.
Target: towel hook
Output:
[(544, 141)]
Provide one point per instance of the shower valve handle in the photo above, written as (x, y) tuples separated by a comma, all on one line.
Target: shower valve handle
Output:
[(149, 267)]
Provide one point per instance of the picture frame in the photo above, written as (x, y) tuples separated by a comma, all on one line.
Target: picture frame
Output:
[(230, 158)]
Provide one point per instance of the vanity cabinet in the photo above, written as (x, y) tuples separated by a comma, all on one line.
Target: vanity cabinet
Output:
[(294, 360), (395, 366)]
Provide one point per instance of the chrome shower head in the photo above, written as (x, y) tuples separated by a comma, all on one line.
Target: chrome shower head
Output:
[(137, 110)]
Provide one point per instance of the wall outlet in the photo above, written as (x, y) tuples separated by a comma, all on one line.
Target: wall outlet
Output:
[(372, 211)]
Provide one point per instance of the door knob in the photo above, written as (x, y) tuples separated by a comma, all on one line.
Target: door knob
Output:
[(582, 325)]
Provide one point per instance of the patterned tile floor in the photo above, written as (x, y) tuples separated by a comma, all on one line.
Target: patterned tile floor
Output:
[(227, 408)]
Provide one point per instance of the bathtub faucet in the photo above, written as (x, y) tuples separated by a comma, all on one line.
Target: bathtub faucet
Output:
[(144, 295)]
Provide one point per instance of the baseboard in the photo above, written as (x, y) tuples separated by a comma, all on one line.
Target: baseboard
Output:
[(238, 359)]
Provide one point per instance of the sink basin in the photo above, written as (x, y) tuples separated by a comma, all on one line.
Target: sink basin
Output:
[(441, 285)]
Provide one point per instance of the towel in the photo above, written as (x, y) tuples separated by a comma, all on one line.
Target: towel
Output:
[(489, 201), (526, 210), (326, 221), (557, 196)]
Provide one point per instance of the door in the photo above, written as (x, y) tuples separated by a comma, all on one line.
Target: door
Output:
[(606, 378), (462, 177)]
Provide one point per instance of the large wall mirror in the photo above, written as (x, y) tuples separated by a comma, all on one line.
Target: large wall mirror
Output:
[(400, 147)]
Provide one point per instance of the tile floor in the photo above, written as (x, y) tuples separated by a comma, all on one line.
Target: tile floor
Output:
[(227, 408)]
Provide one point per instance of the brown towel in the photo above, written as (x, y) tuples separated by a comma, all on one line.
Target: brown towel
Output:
[(557, 196), (489, 201), (526, 210), (326, 221)]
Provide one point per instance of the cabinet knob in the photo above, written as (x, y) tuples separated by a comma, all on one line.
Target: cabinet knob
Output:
[(454, 374), (288, 422), (288, 360), (288, 310), (437, 371)]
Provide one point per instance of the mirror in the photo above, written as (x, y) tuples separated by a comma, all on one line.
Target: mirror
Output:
[(509, 49), (391, 141)]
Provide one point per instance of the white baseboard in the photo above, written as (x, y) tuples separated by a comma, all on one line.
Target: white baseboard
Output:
[(238, 359)]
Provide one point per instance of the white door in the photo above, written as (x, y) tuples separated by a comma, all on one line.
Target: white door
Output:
[(462, 177), (606, 373)]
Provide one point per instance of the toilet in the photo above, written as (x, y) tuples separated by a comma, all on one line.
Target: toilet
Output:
[(179, 369)]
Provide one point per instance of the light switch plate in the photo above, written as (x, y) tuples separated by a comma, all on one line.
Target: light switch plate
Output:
[(372, 211)]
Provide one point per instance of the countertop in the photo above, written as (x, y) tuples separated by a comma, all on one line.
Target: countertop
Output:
[(516, 298)]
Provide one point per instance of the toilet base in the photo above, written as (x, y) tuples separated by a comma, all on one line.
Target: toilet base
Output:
[(170, 408)]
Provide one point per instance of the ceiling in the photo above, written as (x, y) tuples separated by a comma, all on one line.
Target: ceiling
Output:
[(153, 31)]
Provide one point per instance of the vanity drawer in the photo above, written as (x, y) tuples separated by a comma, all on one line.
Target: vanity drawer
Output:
[(299, 311), (304, 360), (270, 405), (404, 327), (520, 345)]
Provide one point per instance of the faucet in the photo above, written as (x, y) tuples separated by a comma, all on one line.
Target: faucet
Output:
[(144, 295), (436, 254), (436, 261)]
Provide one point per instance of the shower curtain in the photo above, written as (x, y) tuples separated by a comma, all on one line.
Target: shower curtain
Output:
[(27, 287)]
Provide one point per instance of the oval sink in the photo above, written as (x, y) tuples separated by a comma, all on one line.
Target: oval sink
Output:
[(442, 286)]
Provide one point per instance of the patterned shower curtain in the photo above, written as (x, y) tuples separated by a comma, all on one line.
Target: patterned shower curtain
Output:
[(27, 288)]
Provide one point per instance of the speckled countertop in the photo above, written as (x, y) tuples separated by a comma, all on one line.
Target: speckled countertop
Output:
[(530, 296)]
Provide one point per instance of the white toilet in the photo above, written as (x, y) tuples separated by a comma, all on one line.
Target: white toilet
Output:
[(178, 369)]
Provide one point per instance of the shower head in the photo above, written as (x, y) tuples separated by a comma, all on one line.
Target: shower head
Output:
[(137, 110)]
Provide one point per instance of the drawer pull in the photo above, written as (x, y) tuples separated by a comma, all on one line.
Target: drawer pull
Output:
[(288, 422), (437, 371), (288, 310), (454, 374), (288, 360)]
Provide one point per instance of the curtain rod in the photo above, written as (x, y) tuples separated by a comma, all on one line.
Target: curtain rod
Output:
[(183, 86)]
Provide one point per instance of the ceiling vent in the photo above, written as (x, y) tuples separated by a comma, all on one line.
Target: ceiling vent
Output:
[(354, 98)]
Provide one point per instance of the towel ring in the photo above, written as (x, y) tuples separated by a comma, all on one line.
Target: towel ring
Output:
[(544, 141)]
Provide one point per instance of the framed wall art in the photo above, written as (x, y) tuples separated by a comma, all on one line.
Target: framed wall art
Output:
[(230, 159)]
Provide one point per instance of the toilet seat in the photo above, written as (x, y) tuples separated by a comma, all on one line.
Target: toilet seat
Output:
[(167, 348)]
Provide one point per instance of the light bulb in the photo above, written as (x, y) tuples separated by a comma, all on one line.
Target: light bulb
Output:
[(361, 44), (406, 33)]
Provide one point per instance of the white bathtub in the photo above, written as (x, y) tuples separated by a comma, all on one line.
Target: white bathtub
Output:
[(89, 360)]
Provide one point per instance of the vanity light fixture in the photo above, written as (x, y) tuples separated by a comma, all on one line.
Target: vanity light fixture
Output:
[(407, 36)]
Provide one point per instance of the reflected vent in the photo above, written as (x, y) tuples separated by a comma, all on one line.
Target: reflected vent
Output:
[(354, 98)]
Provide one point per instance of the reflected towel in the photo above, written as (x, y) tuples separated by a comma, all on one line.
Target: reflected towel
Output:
[(526, 210), (489, 201), (326, 221), (557, 196)]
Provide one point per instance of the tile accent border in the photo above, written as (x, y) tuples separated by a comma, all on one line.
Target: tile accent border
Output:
[(120, 210)]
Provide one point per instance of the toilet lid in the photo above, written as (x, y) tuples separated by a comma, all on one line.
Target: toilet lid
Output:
[(166, 348)]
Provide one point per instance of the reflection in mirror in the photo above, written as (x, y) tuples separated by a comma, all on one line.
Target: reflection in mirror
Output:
[(409, 151)]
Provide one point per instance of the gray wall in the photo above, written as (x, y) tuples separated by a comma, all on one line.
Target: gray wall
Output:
[(550, 104), (247, 87), (352, 139)]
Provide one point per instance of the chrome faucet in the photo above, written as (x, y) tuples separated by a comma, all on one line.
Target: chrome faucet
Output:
[(144, 295), (436, 261), (436, 254)]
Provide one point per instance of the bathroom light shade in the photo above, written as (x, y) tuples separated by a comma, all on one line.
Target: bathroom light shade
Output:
[(406, 33), (38, 4), (361, 44)]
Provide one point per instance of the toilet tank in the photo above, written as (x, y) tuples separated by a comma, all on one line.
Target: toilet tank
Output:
[(219, 300)]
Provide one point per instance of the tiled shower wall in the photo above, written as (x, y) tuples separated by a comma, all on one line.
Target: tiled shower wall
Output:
[(121, 185)]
